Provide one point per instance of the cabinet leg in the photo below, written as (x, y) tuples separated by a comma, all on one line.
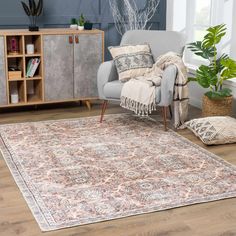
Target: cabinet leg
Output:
[(88, 104)]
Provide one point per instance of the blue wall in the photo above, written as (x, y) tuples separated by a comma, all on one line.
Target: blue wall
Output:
[(57, 13)]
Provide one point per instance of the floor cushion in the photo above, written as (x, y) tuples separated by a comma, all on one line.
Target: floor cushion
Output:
[(214, 130)]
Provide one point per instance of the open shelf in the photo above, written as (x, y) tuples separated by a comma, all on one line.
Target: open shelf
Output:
[(39, 71), (15, 68), (33, 55), (16, 88), (15, 55), (21, 79), (34, 78), (34, 91), (36, 41), (14, 46)]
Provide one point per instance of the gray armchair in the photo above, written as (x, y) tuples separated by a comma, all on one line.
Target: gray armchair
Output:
[(161, 42)]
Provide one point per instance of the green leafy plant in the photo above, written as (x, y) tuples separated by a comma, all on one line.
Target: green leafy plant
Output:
[(33, 10), (219, 68), (73, 21), (81, 20)]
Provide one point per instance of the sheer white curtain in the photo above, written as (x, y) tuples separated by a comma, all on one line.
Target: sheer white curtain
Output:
[(193, 17)]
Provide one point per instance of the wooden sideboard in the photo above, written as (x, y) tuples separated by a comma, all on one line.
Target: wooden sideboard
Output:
[(67, 71)]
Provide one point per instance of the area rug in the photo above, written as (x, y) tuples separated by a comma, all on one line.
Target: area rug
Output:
[(75, 172)]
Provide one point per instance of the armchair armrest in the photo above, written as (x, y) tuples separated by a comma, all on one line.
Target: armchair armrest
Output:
[(167, 85), (106, 73)]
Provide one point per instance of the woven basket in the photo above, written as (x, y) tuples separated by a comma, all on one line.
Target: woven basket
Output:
[(220, 107)]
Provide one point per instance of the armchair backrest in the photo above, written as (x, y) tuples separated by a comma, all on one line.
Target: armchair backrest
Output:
[(160, 41)]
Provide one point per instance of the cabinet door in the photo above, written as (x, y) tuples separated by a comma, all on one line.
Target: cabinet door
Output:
[(88, 55), (58, 67), (3, 79)]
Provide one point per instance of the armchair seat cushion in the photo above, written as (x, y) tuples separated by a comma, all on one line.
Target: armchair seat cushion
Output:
[(112, 90)]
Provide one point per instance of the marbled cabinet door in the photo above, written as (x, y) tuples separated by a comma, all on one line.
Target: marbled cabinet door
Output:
[(3, 79), (87, 58), (58, 67)]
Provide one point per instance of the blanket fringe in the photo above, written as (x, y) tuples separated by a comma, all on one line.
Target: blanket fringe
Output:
[(137, 107)]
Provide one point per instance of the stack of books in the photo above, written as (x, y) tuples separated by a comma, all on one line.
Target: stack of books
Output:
[(32, 66)]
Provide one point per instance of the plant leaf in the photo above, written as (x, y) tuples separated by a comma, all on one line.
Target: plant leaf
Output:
[(225, 92), (198, 49), (217, 65), (39, 8), (214, 35), (33, 8), (26, 9), (217, 95), (229, 71), (206, 77), (192, 79), (30, 4)]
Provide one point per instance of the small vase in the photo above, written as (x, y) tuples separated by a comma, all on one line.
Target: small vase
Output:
[(33, 23), (33, 28), (80, 27), (88, 26), (74, 27)]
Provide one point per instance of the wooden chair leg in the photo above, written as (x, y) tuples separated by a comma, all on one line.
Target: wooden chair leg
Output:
[(170, 110), (104, 107), (164, 114)]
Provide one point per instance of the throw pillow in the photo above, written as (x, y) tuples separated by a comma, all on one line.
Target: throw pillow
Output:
[(214, 130), (132, 61)]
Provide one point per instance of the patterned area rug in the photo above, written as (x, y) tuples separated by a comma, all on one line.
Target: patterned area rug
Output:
[(74, 172)]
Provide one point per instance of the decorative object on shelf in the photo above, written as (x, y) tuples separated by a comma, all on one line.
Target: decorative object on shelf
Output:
[(74, 24), (128, 16), (88, 25), (13, 45), (81, 22), (30, 49), (33, 11), (14, 98), (214, 130), (217, 101), (32, 67), (14, 93), (14, 74)]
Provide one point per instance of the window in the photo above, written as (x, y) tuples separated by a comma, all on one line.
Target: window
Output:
[(193, 17)]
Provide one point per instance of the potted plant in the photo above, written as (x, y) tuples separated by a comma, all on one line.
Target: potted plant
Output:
[(218, 100), (74, 24), (33, 11), (81, 22), (88, 25)]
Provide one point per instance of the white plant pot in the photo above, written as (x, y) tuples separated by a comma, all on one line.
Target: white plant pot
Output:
[(80, 27), (74, 27)]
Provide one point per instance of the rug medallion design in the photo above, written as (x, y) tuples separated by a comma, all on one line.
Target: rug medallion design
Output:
[(74, 172)]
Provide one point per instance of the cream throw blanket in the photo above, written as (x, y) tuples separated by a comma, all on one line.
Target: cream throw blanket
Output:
[(138, 94)]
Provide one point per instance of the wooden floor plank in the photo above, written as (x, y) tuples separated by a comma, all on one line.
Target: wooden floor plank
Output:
[(210, 219)]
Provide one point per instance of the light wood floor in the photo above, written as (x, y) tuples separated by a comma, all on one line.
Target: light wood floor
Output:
[(215, 218)]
